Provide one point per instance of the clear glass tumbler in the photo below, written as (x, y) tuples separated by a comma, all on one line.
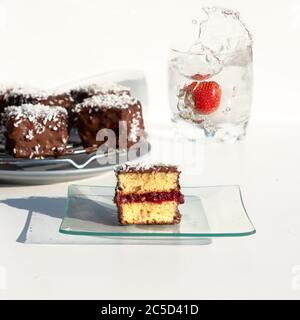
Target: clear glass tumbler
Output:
[(210, 83)]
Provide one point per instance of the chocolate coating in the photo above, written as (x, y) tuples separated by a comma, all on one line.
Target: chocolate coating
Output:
[(19, 96), (62, 100), (16, 99), (38, 138), (141, 168), (91, 120)]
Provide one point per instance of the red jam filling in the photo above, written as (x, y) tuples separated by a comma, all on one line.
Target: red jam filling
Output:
[(156, 197)]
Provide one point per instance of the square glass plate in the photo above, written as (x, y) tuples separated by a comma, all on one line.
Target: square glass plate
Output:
[(216, 211)]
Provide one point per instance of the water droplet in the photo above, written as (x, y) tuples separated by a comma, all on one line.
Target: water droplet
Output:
[(226, 110)]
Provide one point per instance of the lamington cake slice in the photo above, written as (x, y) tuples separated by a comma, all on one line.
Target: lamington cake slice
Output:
[(148, 194), (120, 113), (36, 131)]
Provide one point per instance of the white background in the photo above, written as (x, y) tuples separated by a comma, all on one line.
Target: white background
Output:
[(50, 42)]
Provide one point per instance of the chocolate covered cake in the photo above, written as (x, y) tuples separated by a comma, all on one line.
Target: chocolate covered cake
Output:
[(148, 194), (81, 93), (102, 106), (36, 131), (120, 113), (58, 99), (18, 96)]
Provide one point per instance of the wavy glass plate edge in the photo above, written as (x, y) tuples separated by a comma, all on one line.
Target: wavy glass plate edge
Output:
[(157, 234)]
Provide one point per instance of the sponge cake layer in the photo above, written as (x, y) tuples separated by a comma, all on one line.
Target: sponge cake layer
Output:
[(139, 183), (149, 213)]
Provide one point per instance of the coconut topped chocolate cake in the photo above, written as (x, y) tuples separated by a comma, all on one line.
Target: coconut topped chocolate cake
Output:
[(148, 194), (36, 131), (120, 113), (93, 108)]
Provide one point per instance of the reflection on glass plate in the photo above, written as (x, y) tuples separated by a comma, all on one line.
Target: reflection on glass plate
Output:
[(216, 211)]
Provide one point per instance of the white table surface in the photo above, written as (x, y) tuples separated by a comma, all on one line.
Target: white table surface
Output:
[(261, 266), (266, 165)]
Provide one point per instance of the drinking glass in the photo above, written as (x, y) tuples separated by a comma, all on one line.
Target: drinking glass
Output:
[(210, 82)]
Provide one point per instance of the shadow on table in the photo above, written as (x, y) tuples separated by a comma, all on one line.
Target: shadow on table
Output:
[(84, 209), (54, 207)]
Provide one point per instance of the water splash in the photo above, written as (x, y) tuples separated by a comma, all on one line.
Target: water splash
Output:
[(222, 32), (221, 52)]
